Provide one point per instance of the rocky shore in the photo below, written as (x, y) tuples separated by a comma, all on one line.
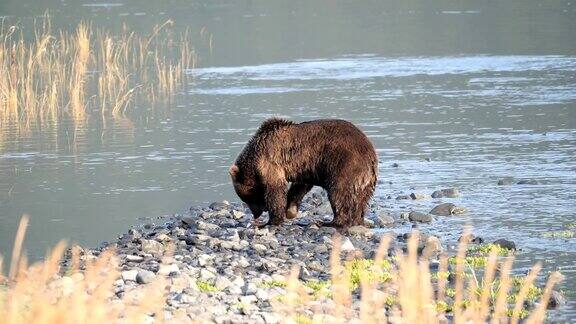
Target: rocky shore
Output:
[(219, 267)]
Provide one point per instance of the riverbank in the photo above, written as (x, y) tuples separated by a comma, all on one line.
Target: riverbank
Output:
[(216, 266)]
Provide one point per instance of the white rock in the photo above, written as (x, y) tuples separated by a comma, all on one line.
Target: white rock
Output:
[(204, 259), (129, 275), (167, 269), (347, 245), (134, 258)]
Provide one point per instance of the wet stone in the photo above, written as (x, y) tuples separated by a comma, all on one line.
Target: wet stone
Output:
[(415, 216), (446, 193), (447, 209), (506, 244)]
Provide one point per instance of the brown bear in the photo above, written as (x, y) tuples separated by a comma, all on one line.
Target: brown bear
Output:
[(330, 153)]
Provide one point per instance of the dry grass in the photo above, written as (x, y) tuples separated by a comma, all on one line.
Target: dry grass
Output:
[(410, 293), (396, 290), (40, 294), (47, 75)]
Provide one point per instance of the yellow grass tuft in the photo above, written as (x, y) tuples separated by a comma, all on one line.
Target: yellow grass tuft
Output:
[(46, 75)]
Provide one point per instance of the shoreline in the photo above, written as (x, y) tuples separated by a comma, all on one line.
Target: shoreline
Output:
[(219, 268)]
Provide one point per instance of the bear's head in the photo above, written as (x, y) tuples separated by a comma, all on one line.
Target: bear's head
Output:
[(249, 189)]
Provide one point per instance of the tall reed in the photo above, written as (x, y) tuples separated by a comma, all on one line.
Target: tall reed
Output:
[(47, 75)]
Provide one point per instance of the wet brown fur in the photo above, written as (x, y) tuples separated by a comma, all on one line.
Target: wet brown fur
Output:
[(330, 153)]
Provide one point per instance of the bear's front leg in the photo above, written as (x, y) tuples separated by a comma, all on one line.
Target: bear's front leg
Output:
[(296, 193), (276, 203)]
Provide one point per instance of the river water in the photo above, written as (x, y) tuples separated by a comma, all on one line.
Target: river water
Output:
[(458, 94)]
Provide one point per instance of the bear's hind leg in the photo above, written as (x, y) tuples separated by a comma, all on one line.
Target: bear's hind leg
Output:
[(296, 193)]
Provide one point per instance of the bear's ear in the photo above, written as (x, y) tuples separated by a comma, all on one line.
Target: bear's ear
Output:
[(234, 170)]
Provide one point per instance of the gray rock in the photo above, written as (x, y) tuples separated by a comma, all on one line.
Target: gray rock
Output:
[(506, 244), (415, 216), (360, 231), (446, 193), (145, 276), (324, 209), (220, 205), (403, 197), (188, 220), (447, 209), (383, 219), (556, 300), (321, 249), (432, 247), (152, 247), (528, 182), (506, 182)]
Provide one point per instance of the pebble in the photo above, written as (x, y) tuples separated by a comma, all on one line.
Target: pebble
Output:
[(222, 270)]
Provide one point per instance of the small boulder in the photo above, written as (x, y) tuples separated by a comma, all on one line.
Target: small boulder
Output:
[(152, 247), (446, 193), (505, 244), (415, 216), (432, 247), (383, 219), (447, 209), (219, 205), (145, 276)]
